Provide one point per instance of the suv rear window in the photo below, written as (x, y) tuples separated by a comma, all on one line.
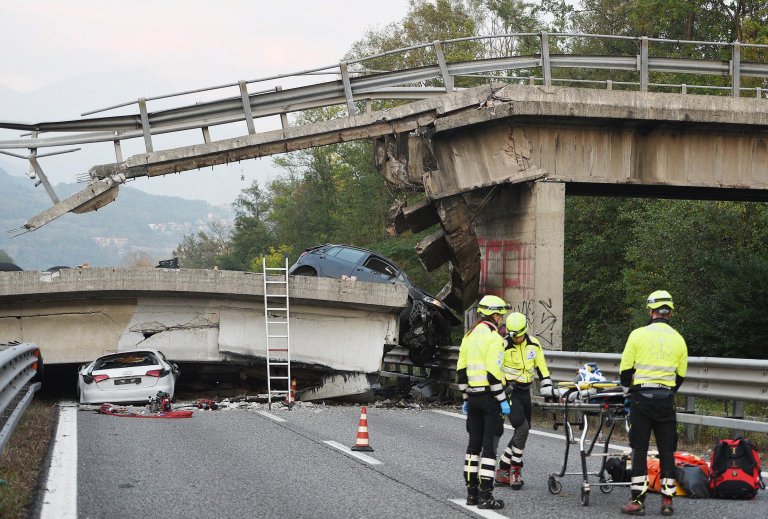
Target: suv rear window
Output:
[(350, 255)]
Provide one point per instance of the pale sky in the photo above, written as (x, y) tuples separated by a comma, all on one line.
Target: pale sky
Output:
[(59, 59)]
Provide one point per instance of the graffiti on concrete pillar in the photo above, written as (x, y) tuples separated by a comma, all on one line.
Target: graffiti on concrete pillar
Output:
[(541, 319), (506, 270), (505, 264)]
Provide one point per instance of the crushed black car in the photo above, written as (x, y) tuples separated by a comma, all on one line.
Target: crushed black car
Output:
[(425, 322)]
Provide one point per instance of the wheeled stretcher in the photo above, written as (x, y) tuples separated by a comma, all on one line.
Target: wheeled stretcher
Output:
[(579, 401)]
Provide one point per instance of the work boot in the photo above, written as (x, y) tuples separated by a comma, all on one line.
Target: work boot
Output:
[(472, 492), (489, 503), (666, 506), (634, 507), (502, 476), (515, 479)]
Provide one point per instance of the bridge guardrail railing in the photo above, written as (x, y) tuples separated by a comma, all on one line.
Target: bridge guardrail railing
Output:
[(733, 381), (356, 82), (19, 364)]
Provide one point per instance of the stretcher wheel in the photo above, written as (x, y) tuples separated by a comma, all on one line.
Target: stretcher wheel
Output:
[(555, 487), (606, 489), (584, 496)]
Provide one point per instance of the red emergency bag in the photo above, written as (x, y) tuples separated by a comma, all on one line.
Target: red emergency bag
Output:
[(735, 470)]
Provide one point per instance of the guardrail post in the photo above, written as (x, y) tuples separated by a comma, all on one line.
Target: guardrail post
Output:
[(758, 92), (683, 88), (351, 109), (690, 407), (447, 78), (545, 69), (609, 84), (738, 412), (644, 64), (736, 69), (247, 107), (118, 151), (145, 124), (283, 115)]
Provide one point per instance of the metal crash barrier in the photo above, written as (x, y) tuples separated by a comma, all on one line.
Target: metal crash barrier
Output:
[(734, 381), (19, 365)]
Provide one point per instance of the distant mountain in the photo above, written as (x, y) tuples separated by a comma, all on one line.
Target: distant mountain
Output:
[(137, 223)]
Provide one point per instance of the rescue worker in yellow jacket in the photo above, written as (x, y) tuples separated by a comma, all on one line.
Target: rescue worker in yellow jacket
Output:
[(481, 381), (523, 360), (653, 366)]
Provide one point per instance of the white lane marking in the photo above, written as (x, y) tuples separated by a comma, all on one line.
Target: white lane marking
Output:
[(532, 431), (60, 498), (490, 514), (358, 455), (271, 416)]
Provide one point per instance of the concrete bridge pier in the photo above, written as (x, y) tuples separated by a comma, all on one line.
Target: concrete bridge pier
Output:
[(520, 232)]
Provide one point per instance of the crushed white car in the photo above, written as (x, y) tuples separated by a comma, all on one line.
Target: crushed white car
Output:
[(132, 376)]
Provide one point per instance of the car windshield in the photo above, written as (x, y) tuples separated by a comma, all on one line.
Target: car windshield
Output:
[(126, 360), (404, 280)]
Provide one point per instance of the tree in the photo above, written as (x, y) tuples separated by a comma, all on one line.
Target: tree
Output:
[(711, 257), (5, 258), (425, 23), (252, 235), (597, 233), (205, 249)]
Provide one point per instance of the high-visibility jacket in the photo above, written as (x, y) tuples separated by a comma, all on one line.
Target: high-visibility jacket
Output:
[(523, 361), (480, 359), (658, 355)]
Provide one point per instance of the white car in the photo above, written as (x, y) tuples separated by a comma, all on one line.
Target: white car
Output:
[(126, 377)]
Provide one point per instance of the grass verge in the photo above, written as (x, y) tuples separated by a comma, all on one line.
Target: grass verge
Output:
[(21, 460)]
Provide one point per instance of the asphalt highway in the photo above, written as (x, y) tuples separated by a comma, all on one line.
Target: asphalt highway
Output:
[(235, 463)]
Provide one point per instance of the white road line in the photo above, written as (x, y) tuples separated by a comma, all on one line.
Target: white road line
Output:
[(358, 455), (490, 514), (556, 436), (271, 416), (60, 498)]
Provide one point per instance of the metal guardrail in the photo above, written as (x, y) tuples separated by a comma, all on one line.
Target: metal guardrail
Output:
[(357, 82), (731, 380), (19, 364)]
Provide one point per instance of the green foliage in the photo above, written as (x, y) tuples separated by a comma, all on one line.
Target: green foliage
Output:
[(275, 258), (205, 249), (597, 232), (5, 258), (252, 235), (425, 23), (709, 255)]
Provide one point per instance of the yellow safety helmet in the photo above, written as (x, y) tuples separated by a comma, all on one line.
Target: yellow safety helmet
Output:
[(659, 299), (490, 305), (517, 324)]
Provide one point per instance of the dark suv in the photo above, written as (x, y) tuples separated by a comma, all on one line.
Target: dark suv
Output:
[(425, 322)]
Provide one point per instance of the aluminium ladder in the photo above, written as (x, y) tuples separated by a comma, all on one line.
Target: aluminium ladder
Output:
[(276, 321)]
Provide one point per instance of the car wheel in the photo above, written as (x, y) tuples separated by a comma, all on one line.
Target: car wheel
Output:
[(305, 271)]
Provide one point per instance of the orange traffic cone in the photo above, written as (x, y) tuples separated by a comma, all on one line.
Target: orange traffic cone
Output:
[(362, 434), (291, 398)]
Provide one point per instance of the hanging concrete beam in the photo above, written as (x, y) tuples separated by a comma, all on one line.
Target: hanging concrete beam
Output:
[(433, 251), (421, 216)]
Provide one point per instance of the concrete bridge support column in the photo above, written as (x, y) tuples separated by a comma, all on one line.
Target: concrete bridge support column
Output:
[(521, 233)]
